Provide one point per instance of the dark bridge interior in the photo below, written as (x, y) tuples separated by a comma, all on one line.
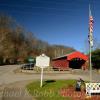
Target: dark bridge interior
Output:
[(76, 63)]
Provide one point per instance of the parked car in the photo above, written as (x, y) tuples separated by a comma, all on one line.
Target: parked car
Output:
[(28, 66)]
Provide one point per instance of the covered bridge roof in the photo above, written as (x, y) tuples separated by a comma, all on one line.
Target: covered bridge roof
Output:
[(72, 55)]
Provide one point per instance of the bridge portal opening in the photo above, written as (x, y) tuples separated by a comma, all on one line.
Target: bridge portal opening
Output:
[(76, 63)]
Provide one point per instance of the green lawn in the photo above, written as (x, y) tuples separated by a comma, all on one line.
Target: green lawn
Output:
[(50, 90)]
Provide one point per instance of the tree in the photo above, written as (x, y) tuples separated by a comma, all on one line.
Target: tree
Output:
[(96, 58), (12, 38), (7, 25)]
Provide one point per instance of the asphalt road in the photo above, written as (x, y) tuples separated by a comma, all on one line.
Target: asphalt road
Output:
[(8, 76), (14, 83)]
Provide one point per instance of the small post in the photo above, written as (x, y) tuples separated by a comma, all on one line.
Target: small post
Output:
[(41, 77)]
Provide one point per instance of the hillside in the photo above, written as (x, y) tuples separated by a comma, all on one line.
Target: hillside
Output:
[(16, 42)]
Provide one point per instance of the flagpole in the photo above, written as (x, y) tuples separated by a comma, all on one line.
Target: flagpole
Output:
[(90, 65)]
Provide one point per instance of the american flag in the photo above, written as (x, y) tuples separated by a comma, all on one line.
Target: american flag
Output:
[(90, 36)]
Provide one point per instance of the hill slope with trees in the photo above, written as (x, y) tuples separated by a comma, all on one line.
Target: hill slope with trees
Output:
[(16, 43)]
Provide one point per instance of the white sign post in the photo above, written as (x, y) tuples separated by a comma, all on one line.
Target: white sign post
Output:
[(41, 77), (42, 61)]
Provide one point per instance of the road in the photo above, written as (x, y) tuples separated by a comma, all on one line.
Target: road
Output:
[(10, 89), (8, 76), (12, 85)]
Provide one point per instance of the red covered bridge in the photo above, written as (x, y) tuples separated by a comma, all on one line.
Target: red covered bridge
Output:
[(75, 60)]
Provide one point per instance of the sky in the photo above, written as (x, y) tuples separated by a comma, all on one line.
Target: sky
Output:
[(63, 22)]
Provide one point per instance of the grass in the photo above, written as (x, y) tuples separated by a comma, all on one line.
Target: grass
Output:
[(50, 90)]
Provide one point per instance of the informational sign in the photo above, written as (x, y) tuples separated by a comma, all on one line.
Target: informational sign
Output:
[(42, 61), (30, 59)]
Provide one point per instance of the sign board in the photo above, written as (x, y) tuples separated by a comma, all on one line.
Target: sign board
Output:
[(42, 61), (92, 88), (31, 60)]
